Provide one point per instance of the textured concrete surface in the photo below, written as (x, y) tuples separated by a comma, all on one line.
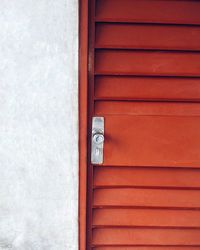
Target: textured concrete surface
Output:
[(38, 124)]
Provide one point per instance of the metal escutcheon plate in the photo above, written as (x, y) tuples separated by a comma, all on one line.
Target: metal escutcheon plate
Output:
[(97, 140)]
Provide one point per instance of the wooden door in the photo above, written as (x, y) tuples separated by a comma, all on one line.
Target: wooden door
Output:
[(144, 79)]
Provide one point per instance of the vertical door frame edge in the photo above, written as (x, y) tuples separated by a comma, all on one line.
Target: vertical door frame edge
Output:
[(83, 118)]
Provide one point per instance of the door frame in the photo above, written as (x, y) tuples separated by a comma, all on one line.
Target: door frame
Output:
[(83, 120)]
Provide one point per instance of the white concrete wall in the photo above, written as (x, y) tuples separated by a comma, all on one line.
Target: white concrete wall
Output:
[(38, 124)]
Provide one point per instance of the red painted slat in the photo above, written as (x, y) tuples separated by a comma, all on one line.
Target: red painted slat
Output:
[(145, 108), (114, 236), (138, 197), (147, 88), (146, 177), (140, 36), (145, 218), (153, 11), (119, 62)]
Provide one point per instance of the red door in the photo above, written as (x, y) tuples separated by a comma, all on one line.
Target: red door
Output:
[(144, 80)]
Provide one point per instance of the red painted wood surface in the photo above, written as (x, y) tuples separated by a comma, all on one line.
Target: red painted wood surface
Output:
[(147, 88), (144, 79), (153, 63), (143, 197), (152, 140), (157, 177), (146, 248), (151, 36), (147, 108), (136, 236), (153, 11), (128, 217), (83, 120)]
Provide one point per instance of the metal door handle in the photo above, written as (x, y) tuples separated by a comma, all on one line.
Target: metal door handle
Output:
[(97, 140), (98, 137)]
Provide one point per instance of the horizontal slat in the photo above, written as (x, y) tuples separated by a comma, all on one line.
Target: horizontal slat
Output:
[(163, 141), (144, 108), (140, 36), (139, 197), (145, 218), (147, 88), (145, 248), (125, 62), (113, 236), (183, 12), (146, 177)]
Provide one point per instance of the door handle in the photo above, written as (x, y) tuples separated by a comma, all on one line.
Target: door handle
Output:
[(97, 143), (98, 137)]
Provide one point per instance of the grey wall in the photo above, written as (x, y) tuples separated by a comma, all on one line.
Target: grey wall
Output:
[(38, 124)]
